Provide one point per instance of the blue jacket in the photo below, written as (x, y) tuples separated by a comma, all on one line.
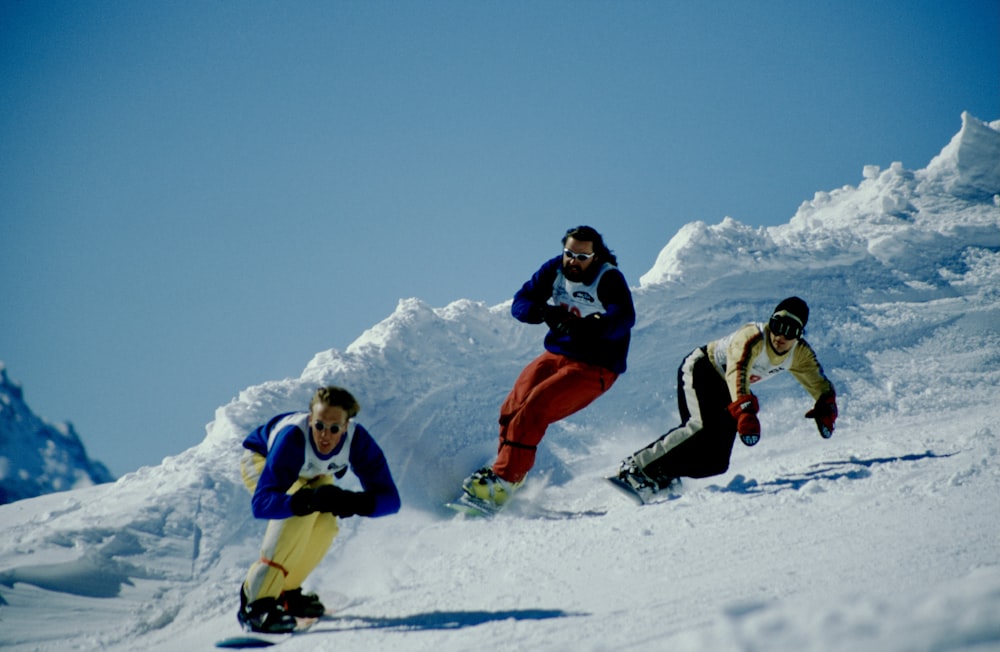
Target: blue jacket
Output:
[(285, 459), (609, 347)]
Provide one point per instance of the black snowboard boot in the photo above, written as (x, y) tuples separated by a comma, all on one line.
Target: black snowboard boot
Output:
[(303, 605), (266, 615)]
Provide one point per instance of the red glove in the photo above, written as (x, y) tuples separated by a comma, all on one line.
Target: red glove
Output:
[(744, 410), (825, 414)]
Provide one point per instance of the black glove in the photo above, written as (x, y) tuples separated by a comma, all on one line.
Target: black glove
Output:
[(535, 314), (558, 319), (588, 328), (343, 503), (302, 501)]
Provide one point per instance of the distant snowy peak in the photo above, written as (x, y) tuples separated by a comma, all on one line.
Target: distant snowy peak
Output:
[(894, 218), (37, 457)]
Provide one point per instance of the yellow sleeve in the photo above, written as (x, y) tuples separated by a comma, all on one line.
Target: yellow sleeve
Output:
[(807, 370), (744, 347)]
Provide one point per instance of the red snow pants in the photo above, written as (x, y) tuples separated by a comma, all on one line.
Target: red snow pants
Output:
[(550, 388)]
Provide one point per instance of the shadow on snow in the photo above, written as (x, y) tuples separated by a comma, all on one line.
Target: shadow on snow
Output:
[(852, 469), (435, 620)]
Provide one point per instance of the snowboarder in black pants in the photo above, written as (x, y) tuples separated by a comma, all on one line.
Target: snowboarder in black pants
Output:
[(716, 404)]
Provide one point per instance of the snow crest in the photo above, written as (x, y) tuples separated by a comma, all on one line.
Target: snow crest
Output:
[(896, 218)]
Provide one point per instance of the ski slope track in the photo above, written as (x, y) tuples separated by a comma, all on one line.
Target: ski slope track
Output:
[(884, 538)]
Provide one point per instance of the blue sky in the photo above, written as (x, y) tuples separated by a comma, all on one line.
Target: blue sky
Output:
[(196, 197)]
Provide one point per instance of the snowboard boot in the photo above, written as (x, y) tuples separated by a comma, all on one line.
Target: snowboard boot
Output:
[(266, 615), (302, 605), (630, 474), (486, 486)]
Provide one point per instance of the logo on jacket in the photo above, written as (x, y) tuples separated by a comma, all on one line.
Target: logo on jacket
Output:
[(584, 296)]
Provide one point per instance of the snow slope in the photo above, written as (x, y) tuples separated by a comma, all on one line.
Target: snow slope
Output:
[(885, 537)]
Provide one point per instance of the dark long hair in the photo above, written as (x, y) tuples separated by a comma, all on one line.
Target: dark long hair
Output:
[(590, 234)]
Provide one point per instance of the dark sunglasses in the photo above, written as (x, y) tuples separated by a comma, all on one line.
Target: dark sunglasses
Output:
[(786, 327), (334, 427), (580, 257)]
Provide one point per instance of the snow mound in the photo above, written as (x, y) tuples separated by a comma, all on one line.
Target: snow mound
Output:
[(896, 218)]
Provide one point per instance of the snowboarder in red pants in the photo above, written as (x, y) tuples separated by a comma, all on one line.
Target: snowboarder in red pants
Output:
[(587, 304)]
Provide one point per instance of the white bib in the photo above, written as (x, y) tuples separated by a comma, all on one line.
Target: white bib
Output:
[(577, 297), (761, 368), (313, 465)]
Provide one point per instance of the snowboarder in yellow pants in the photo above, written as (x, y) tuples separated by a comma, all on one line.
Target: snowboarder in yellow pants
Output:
[(289, 466)]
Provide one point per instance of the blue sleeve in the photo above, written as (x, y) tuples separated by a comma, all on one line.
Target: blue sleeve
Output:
[(369, 464), (535, 293), (257, 440), (281, 470), (619, 310)]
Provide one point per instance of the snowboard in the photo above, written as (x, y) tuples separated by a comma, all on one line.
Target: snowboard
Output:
[(266, 640), (645, 496), (469, 506)]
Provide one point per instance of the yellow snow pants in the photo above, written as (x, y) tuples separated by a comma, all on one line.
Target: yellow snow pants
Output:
[(293, 546)]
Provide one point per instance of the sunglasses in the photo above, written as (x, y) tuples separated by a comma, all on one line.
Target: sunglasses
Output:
[(786, 327), (580, 257), (333, 427)]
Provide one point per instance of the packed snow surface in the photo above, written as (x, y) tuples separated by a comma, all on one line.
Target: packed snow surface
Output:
[(885, 537)]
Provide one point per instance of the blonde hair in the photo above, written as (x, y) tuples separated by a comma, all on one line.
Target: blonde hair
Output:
[(336, 397)]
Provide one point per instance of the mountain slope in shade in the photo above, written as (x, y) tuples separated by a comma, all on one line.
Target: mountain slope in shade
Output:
[(37, 457)]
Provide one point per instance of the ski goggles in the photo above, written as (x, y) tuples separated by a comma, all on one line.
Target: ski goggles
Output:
[(786, 326), (576, 256)]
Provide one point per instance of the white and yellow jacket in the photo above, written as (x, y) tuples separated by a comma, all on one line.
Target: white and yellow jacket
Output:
[(744, 357)]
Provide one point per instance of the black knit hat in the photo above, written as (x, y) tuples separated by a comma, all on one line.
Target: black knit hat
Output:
[(795, 307)]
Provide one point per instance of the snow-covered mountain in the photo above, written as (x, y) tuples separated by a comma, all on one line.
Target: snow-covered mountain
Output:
[(886, 537), (37, 457)]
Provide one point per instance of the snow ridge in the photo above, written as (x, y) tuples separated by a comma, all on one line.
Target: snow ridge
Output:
[(895, 217)]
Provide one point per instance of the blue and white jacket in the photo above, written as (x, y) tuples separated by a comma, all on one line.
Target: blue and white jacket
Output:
[(291, 454), (603, 290)]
